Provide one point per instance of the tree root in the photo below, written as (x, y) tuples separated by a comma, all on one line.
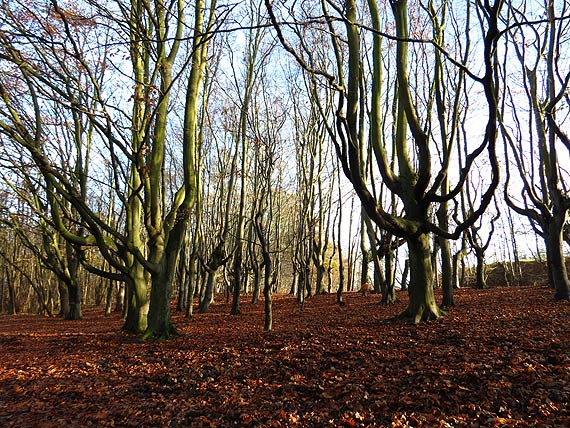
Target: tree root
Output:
[(166, 334), (422, 313)]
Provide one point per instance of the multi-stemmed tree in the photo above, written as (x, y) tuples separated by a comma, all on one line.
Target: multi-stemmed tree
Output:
[(42, 54), (416, 175), (536, 141)]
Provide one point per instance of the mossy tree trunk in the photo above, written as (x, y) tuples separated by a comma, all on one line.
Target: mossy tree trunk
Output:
[(137, 302), (168, 232), (557, 271), (422, 305)]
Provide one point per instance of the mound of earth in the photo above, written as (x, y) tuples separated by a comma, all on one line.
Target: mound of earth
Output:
[(532, 273)]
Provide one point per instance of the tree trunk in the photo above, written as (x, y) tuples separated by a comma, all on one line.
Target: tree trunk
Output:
[(320, 283), (208, 297), (379, 280), (137, 301), (455, 270), (182, 282), (64, 308), (268, 306), (192, 278), (120, 300), (75, 296), (294, 281), (12, 293), (375, 255), (458, 265), (446, 274), (404, 284), (268, 303), (256, 280), (73, 284), (434, 267), (481, 281), (2, 294), (340, 287), (109, 297), (422, 305), (227, 286), (159, 314), (237, 281), (318, 260), (217, 260), (307, 278), (388, 291), (556, 264), (364, 277), (515, 264), (302, 286)]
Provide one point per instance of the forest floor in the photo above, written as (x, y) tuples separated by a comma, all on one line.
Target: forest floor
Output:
[(500, 358)]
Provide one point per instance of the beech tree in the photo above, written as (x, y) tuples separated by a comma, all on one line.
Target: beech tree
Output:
[(267, 127), (255, 57), (134, 142), (412, 176), (36, 233), (52, 133), (536, 141)]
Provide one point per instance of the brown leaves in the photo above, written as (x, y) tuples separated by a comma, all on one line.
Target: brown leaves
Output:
[(501, 358)]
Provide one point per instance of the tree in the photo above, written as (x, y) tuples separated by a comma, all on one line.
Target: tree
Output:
[(171, 230), (136, 141), (255, 57), (537, 143), (266, 149), (413, 182), (54, 135), (480, 244)]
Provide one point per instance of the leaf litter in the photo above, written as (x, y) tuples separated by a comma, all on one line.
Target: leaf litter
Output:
[(501, 358)]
